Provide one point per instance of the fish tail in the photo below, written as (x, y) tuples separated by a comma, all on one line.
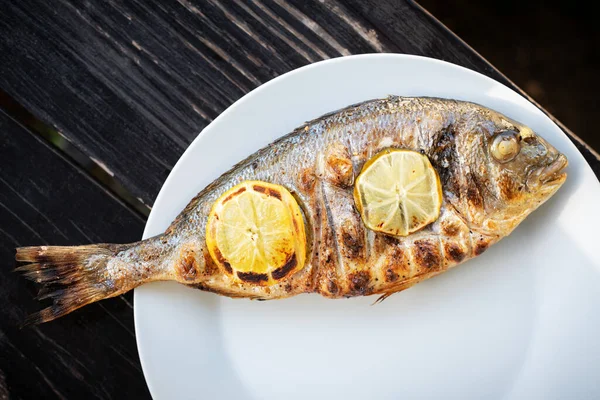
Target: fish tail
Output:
[(74, 276)]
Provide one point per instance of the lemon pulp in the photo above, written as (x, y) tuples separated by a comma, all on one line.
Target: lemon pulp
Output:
[(257, 228), (398, 192)]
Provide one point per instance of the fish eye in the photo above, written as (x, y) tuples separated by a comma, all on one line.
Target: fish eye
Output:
[(505, 146)]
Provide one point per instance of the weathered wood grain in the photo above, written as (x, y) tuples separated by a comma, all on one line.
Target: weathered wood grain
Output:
[(132, 83), (45, 199)]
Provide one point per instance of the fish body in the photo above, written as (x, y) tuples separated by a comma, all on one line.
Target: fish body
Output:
[(485, 197)]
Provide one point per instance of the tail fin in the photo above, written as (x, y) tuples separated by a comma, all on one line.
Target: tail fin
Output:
[(71, 276)]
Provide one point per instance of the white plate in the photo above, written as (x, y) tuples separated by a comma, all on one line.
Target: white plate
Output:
[(520, 322)]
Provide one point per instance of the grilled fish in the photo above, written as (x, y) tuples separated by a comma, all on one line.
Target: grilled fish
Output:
[(488, 187)]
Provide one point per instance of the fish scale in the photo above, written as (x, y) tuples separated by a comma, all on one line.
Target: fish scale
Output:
[(484, 199)]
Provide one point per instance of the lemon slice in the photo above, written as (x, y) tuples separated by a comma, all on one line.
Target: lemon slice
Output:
[(255, 231), (398, 192)]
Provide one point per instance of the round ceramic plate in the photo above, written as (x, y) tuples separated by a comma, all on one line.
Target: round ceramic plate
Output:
[(521, 321)]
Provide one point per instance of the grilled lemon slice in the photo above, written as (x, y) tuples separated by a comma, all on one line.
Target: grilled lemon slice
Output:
[(255, 232), (398, 192)]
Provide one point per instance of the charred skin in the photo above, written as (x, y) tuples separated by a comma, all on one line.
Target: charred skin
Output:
[(483, 201)]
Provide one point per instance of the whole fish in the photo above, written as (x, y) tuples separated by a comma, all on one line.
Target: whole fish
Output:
[(487, 191)]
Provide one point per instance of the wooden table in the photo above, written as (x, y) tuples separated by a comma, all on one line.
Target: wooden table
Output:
[(97, 102)]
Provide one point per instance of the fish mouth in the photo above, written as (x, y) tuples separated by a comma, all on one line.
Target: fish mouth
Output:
[(550, 175)]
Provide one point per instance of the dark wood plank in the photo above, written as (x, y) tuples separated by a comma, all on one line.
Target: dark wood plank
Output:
[(591, 155), (45, 199), (132, 83), (556, 66)]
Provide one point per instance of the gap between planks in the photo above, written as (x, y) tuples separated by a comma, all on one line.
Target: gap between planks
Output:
[(96, 170)]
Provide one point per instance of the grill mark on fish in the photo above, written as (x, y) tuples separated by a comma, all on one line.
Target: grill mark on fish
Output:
[(326, 256), (481, 245), (474, 192), (316, 255), (368, 235), (348, 227), (331, 226), (444, 158), (454, 220), (351, 243), (359, 283), (449, 228), (454, 252), (397, 264), (426, 254), (390, 275), (457, 199)]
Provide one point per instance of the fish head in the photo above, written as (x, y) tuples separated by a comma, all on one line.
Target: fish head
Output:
[(523, 171), (495, 171)]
